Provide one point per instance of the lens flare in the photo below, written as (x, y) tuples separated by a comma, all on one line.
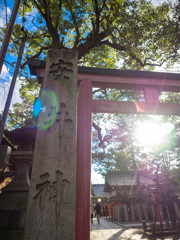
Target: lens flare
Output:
[(154, 134), (46, 108), (38, 107)]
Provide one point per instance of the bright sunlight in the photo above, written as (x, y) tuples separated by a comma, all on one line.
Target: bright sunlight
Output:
[(153, 133)]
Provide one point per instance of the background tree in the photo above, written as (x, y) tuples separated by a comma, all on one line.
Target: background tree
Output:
[(138, 32), (129, 34), (126, 34), (23, 111)]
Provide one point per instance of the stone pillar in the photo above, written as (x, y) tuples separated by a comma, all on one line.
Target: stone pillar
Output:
[(126, 213), (51, 204), (139, 212), (121, 209), (132, 213), (5, 152), (118, 214)]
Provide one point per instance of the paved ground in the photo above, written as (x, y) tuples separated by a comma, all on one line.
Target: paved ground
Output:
[(108, 230)]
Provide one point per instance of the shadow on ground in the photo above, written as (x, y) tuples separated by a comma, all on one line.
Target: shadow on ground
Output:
[(116, 235), (108, 230)]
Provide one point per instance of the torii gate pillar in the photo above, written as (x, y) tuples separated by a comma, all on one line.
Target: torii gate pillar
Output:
[(83, 177)]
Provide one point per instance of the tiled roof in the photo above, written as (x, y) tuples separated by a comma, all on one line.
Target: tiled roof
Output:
[(127, 178), (121, 178), (98, 190)]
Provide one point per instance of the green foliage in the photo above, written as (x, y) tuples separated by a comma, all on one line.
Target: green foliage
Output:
[(113, 160), (134, 32), (126, 34), (116, 149), (100, 57), (23, 111), (117, 137), (171, 97)]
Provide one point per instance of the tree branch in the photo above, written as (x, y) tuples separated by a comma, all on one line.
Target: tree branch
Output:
[(113, 45), (34, 23), (52, 30), (91, 42), (76, 28), (58, 18), (97, 90), (98, 129), (37, 54), (97, 11), (103, 5), (38, 7)]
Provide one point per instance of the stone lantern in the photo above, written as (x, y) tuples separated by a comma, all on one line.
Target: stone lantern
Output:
[(14, 196)]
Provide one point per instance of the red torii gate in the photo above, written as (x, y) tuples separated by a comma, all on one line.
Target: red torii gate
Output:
[(152, 83)]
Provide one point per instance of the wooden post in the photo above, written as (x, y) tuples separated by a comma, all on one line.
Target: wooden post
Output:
[(83, 166)]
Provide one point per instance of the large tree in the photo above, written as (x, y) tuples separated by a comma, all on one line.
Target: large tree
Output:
[(111, 34), (127, 34), (140, 33)]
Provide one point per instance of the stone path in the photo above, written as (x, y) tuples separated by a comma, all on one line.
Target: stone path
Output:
[(108, 230)]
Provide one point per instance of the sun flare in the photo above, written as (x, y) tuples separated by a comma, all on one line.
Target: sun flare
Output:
[(152, 134)]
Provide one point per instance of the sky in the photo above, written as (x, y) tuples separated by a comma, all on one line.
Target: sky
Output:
[(96, 178), (4, 87), (6, 74)]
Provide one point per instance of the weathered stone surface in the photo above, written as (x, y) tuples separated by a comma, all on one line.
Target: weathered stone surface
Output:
[(22, 161), (14, 197), (5, 152), (51, 204)]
